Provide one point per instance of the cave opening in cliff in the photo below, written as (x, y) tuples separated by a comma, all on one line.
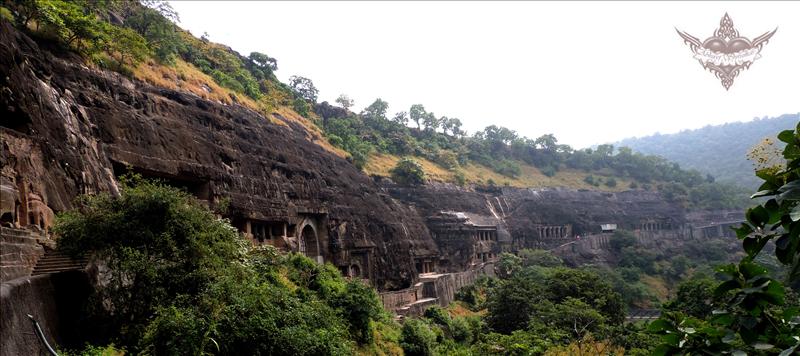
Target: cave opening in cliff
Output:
[(199, 188), (309, 244), (15, 120)]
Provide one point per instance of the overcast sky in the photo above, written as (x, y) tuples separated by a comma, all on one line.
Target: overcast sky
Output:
[(587, 72)]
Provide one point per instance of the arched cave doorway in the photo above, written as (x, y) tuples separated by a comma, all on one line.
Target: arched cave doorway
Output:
[(309, 244), (355, 271)]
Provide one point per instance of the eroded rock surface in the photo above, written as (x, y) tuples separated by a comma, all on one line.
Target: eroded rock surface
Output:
[(69, 129)]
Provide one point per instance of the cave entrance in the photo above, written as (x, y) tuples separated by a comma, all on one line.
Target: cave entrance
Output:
[(199, 188), (309, 243)]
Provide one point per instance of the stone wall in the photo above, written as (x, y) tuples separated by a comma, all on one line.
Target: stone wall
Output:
[(54, 300), (433, 289)]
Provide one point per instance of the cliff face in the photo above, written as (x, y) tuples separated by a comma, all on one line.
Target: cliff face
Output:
[(68, 129), (544, 218)]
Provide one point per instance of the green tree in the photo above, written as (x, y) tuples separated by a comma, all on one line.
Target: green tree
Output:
[(539, 258), (155, 22), (417, 338), (158, 242), (408, 172), (695, 298), (264, 62), (753, 317), (344, 101), (304, 87), (417, 114)]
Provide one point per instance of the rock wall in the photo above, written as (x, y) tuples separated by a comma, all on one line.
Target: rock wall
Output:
[(54, 300), (69, 129), (526, 213)]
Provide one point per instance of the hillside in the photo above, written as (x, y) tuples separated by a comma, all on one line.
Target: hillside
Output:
[(144, 43), (165, 195), (719, 150)]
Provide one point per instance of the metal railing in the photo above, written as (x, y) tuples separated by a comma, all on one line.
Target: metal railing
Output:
[(40, 335)]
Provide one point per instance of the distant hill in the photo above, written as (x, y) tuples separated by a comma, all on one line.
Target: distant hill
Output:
[(719, 150)]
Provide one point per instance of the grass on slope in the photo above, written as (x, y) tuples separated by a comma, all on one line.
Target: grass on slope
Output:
[(380, 164), (184, 76)]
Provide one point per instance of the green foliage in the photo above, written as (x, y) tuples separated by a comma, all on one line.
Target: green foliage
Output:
[(507, 265), (408, 172), (304, 88), (534, 293), (695, 298), (459, 178), (474, 295), (155, 24), (78, 26), (753, 316), (417, 338), (181, 281), (622, 239), (540, 258), (6, 14), (158, 243)]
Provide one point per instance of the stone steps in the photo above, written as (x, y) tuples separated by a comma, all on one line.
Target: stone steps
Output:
[(55, 261)]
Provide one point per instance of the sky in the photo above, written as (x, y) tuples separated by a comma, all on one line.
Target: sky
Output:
[(588, 72)]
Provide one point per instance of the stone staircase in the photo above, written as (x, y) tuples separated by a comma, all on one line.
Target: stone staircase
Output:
[(19, 251), (55, 261)]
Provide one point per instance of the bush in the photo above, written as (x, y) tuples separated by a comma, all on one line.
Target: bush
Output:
[(507, 168), (539, 258), (417, 338), (408, 172), (548, 171), (158, 242), (611, 182), (459, 178), (181, 281)]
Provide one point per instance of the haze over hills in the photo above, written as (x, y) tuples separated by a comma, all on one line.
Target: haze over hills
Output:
[(719, 150)]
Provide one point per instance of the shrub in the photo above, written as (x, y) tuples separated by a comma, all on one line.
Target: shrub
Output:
[(408, 172), (459, 178), (417, 338)]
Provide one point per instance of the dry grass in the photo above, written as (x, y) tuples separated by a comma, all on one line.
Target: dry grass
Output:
[(380, 164), (656, 285), (184, 76), (457, 309), (313, 132)]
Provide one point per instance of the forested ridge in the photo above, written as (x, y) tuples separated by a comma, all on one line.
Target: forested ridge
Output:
[(719, 150)]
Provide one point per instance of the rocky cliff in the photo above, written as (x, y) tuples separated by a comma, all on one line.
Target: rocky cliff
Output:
[(69, 129)]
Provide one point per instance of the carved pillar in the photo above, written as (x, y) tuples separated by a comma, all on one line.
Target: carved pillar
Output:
[(23, 200)]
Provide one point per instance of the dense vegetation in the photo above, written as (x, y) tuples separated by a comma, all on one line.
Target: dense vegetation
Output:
[(753, 311), (181, 281), (719, 150), (530, 309), (441, 140), (120, 35)]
